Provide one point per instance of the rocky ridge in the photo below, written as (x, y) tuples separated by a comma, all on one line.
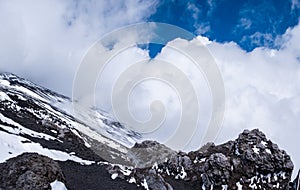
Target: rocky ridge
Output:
[(249, 162)]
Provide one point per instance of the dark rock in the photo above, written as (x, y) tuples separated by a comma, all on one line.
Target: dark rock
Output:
[(156, 182), (251, 161), (147, 153), (29, 171), (217, 169)]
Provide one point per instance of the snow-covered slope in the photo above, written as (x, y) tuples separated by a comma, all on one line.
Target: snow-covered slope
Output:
[(33, 118)]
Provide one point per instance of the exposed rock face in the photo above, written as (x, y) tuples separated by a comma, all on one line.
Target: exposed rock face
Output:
[(147, 153), (249, 162), (29, 171)]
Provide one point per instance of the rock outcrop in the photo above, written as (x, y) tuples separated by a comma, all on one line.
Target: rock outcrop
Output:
[(249, 162), (29, 171)]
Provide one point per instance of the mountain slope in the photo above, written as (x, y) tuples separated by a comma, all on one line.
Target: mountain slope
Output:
[(92, 151), (26, 108), (35, 119)]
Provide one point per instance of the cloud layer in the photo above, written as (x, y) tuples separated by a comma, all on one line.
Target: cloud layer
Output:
[(45, 41), (262, 90)]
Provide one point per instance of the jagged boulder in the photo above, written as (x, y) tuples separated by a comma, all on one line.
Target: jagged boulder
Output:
[(139, 154), (29, 171)]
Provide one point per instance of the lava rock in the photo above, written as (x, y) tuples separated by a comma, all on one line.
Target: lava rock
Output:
[(29, 171), (251, 161), (147, 153)]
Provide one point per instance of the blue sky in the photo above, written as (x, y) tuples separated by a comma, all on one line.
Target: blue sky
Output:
[(254, 43), (249, 23)]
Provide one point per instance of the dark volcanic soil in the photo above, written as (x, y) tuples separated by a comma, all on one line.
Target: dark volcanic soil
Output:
[(92, 177)]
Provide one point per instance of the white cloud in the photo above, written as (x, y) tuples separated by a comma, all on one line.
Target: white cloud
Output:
[(45, 41), (150, 89), (244, 23), (259, 39), (195, 10), (262, 90), (202, 28), (295, 4)]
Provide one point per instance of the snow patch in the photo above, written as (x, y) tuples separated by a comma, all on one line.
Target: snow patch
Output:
[(4, 82), (182, 174), (264, 143), (114, 176), (268, 151), (12, 145), (29, 92), (224, 187), (57, 185), (4, 96), (255, 149), (22, 130), (239, 186), (144, 184), (132, 180)]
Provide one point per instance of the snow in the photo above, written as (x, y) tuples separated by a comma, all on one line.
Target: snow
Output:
[(252, 180), (21, 98), (8, 121), (94, 134), (268, 151), (224, 187), (92, 125), (57, 185), (282, 175), (264, 143), (53, 131), (4, 82), (4, 96), (155, 166), (94, 119), (237, 150), (114, 176), (182, 174), (144, 184), (125, 170), (11, 146), (22, 130), (132, 180), (168, 172), (29, 92), (100, 138), (240, 187), (255, 149)]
